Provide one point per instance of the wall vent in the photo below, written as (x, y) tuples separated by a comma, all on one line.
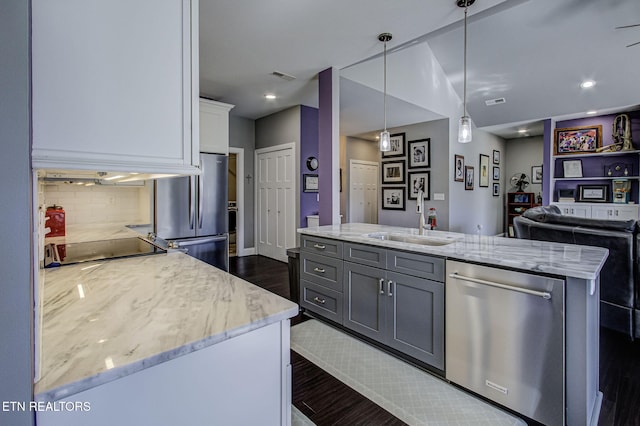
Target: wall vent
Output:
[(497, 101), (284, 76)]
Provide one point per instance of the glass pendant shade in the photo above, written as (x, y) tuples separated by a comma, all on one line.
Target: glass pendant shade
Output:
[(385, 141), (464, 129)]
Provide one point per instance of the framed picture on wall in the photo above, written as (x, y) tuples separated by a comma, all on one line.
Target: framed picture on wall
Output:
[(458, 167), (310, 183), (496, 173), (418, 181), (468, 178), (419, 153), (536, 174), (496, 189), (574, 140), (397, 146), (496, 156), (393, 198), (393, 172), (484, 170)]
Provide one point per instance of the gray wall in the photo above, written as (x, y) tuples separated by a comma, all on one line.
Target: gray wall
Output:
[(522, 154), (242, 135), (438, 132), (468, 209), (279, 128), (16, 302), (353, 149)]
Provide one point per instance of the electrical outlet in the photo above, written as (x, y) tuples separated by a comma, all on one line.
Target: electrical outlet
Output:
[(438, 196)]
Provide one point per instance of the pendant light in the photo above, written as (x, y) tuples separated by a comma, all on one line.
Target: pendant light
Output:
[(385, 138), (464, 126)]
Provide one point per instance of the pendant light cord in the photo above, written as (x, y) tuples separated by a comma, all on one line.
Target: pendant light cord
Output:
[(385, 86), (465, 60)]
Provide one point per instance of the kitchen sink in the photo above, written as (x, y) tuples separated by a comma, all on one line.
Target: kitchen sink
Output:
[(411, 239)]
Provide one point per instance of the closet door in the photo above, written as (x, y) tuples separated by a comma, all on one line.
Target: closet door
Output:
[(276, 201)]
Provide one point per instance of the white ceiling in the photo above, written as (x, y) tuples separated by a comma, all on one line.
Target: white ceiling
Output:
[(534, 53)]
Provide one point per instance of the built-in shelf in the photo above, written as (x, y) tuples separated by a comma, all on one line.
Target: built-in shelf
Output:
[(599, 178), (596, 154)]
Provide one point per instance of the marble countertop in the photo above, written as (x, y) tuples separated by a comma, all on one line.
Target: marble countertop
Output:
[(98, 232), (568, 260), (103, 320)]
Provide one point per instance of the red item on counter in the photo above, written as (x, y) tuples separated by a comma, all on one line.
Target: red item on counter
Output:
[(56, 221)]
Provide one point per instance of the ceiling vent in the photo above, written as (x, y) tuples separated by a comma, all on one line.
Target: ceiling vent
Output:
[(497, 101), (283, 76)]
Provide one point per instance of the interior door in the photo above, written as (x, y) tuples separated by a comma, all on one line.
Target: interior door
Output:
[(276, 202), (363, 192)]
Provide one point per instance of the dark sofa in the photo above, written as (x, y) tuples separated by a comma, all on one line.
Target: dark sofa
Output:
[(619, 293)]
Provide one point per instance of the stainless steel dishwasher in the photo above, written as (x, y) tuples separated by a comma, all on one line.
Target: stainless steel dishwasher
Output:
[(505, 338)]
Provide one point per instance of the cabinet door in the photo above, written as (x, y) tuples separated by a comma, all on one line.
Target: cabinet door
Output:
[(602, 212), (625, 212), (575, 209), (214, 127), (364, 295), (415, 318), (115, 85)]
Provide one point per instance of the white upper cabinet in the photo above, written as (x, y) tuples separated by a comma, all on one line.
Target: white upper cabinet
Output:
[(214, 126), (115, 85)]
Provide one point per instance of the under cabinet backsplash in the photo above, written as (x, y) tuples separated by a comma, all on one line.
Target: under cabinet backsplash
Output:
[(86, 205)]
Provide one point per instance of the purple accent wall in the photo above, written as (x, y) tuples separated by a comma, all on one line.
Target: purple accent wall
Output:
[(308, 148), (325, 124), (595, 166), (546, 155)]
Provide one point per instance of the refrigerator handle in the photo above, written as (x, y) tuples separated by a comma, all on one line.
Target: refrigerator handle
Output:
[(192, 210), (200, 201)]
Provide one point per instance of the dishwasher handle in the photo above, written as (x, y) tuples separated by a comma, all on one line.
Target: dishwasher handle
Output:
[(544, 294)]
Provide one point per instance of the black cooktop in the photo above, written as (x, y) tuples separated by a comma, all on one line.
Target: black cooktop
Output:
[(106, 249)]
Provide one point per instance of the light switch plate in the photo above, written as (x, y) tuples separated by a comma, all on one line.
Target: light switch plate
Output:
[(438, 196)]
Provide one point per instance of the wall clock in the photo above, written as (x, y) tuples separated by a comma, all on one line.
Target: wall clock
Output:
[(312, 163)]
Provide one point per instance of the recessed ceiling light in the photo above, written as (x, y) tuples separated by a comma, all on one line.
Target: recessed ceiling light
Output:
[(522, 131), (270, 96), (592, 112), (587, 84)]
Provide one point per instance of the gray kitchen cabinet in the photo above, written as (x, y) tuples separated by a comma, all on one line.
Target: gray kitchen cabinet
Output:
[(321, 269), (323, 246), (401, 311)]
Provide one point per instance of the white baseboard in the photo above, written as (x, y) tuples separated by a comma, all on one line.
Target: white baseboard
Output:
[(247, 252)]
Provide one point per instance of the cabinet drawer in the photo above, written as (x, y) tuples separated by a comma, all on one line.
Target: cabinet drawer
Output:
[(365, 255), (322, 270), (322, 246), (320, 300), (418, 265)]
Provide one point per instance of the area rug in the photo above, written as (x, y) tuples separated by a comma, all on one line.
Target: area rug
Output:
[(410, 394)]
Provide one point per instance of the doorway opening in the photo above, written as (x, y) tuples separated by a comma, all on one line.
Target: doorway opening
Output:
[(233, 204)]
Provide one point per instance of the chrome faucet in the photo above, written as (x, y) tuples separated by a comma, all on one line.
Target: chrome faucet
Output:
[(422, 224)]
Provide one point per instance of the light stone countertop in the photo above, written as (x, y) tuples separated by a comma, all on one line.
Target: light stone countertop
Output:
[(568, 260), (97, 232), (104, 320)]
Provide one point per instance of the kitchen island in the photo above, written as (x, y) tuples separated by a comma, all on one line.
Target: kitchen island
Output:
[(161, 339), (515, 321)]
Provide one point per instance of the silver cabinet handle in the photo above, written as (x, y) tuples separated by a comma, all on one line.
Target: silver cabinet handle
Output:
[(389, 293), (381, 285), (320, 246), (543, 294), (319, 270), (318, 300), (200, 201)]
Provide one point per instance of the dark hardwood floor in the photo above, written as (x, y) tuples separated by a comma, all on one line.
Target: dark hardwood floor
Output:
[(327, 401)]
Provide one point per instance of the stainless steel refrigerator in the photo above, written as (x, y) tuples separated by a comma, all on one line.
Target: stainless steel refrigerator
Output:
[(192, 211)]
